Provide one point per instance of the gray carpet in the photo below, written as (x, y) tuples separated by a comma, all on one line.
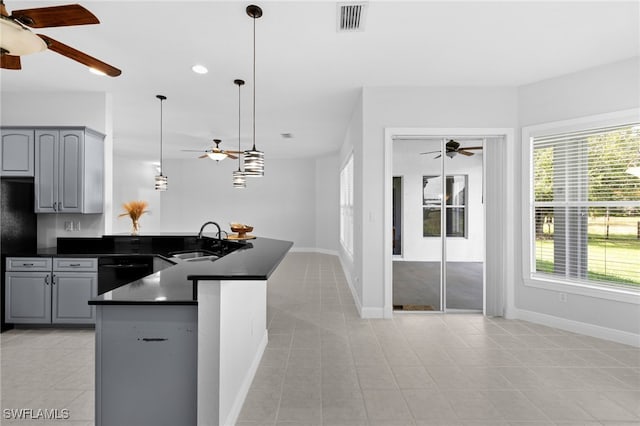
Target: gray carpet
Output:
[(418, 283)]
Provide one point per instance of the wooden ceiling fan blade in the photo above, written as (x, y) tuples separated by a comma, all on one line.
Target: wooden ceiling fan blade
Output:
[(233, 157), (471, 147), (430, 152), (55, 16), (79, 56), (463, 152), (438, 156), (193, 150), (204, 156), (10, 62)]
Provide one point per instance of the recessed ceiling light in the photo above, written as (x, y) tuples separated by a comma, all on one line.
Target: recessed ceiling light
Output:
[(199, 69), (96, 72)]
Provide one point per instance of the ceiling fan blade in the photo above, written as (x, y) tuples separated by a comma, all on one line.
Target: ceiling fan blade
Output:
[(193, 150), (79, 56), (233, 157), (234, 152), (55, 16), (430, 152), (204, 156), (471, 147), (438, 156), (467, 153), (10, 62)]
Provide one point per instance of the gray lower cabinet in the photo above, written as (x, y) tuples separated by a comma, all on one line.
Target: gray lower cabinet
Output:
[(16, 152), (146, 365), (50, 291), (69, 170)]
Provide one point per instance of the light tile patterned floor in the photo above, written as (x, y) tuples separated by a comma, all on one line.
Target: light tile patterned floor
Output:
[(326, 366)]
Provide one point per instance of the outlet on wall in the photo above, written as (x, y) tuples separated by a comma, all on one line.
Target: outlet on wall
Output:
[(77, 226), (68, 225), (563, 297)]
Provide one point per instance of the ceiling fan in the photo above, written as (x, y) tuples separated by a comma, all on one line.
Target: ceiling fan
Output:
[(215, 153), (17, 39), (454, 148)]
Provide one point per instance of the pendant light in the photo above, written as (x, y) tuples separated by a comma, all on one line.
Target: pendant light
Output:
[(254, 159), (239, 178), (161, 180)]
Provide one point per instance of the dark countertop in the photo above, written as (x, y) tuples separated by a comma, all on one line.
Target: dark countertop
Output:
[(254, 260)]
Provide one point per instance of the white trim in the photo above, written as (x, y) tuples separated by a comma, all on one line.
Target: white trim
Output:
[(390, 133), (592, 330), (232, 418), (354, 294), (372, 313), (619, 294), (549, 282)]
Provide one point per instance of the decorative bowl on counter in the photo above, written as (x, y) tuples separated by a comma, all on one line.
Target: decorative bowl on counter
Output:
[(241, 230)]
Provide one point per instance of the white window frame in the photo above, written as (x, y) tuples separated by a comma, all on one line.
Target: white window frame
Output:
[(549, 282), (346, 205)]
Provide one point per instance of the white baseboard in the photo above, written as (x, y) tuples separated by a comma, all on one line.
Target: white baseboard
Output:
[(232, 418), (592, 330), (372, 313)]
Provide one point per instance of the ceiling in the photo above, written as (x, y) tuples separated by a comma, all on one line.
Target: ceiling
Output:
[(309, 76)]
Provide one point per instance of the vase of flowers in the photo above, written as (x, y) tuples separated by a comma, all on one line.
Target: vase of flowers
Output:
[(135, 209)]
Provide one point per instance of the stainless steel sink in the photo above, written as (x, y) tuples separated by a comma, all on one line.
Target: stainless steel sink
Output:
[(195, 255)]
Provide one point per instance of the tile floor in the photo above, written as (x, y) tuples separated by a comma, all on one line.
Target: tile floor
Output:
[(326, 366)]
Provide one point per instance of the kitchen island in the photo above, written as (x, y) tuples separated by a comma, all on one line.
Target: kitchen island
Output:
[(181, 346)]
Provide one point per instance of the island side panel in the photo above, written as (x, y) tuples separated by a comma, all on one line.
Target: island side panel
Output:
[(146, 365), (243, 338), (208, 353)]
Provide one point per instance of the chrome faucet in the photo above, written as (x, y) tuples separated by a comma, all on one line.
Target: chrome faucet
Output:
[(211, 223)]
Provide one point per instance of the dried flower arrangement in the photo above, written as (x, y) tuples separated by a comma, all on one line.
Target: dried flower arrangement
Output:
[(135, 209)]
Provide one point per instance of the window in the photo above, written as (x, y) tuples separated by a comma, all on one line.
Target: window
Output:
[(585, 206), (455, 206), (346, 206)]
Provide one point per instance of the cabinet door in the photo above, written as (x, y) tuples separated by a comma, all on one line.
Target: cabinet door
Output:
[(28, 297), (46, 172), (71, 292), (16, 152), (70, 171)]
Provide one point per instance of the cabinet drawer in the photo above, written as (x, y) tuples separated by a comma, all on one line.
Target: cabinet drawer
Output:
[(29, 264), (69, 264)]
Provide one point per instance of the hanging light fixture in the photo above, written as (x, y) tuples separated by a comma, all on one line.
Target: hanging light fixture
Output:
[(239, 178), (254, 159), (161, 180)]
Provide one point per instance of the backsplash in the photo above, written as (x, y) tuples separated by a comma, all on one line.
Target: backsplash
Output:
[(52, 226)]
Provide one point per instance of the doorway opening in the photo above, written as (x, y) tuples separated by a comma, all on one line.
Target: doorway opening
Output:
[(439, 202)]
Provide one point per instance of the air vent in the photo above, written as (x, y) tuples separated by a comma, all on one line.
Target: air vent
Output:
[(351, 16)]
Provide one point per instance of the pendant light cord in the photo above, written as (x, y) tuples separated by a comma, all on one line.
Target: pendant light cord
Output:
[(161, 136), (254, 83), (239, 110)]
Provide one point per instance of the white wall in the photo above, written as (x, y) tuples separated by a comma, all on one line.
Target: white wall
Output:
[(134, 180), (327, 184), (281, 205), (605, 89), (431, 107), (408, 163), (91, 109)]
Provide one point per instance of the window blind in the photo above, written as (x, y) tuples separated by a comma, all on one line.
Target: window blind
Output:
[(586, 206)]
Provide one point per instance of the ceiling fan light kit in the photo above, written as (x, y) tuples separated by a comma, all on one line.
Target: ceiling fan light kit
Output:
[(254, 159), (161, 180), (17, 39)]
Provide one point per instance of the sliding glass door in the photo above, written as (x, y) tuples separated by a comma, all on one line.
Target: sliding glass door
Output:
[(441, 266)]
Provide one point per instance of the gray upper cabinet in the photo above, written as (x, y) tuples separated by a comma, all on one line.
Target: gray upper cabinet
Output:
[(16, 152), (69, 170)]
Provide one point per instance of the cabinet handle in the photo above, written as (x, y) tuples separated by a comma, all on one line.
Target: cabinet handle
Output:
[(153, 339), (53, 279), (27, 264), (55, 204), (46, 279), (74, 265)]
